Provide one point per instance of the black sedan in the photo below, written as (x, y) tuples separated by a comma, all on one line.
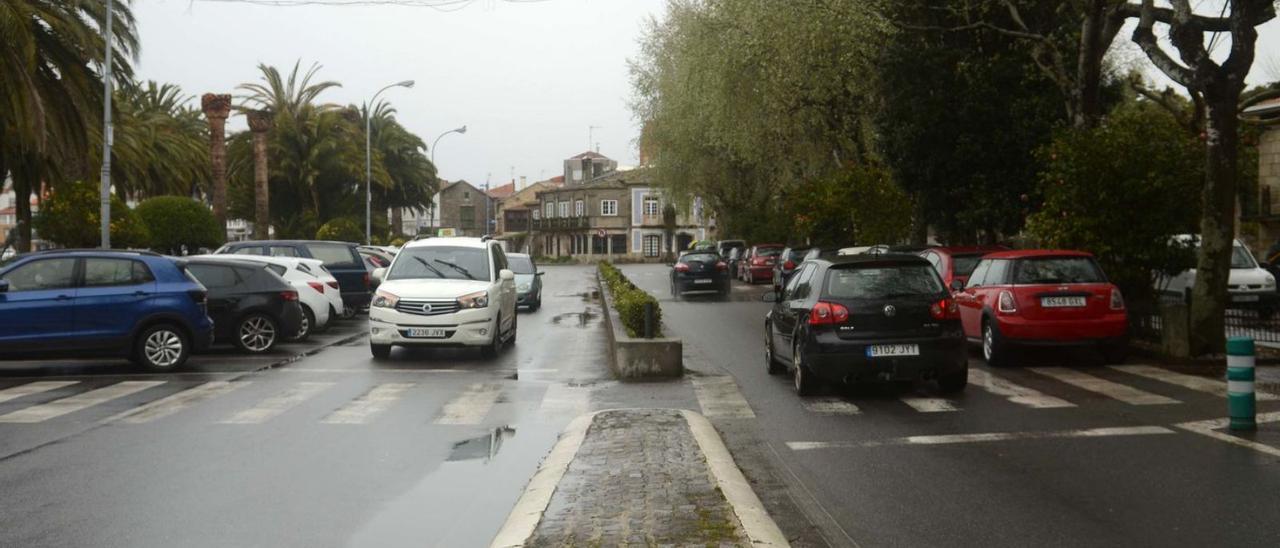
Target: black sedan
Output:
[(700, 271), (856, 318), (251, 306)]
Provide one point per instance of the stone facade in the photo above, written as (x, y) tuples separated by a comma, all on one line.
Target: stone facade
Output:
[(462, 207), (1267, 114)]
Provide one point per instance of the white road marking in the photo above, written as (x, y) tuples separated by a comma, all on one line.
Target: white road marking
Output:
[(830, 406), (930, 405), (471, 406), (276, 405), (1114, 390), (1020, 395), (369, 405), (719, 397), (1203, 384), (71, 404), (983, 437), (562, 400), (15, 392), (173, 403)]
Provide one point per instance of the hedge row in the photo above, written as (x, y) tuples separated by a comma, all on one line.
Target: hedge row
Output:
[(629, 301)]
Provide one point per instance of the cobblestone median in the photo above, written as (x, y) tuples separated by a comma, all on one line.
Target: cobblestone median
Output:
[(639, 479)]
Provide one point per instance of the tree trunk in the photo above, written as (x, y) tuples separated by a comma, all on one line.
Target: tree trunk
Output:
[(22, 205), (1217, 225), (260, 121), (397, 222), (216, 108)]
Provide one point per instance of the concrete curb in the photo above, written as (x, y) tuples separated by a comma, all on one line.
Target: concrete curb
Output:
[(523, 520), (636, 359), (309, 352)]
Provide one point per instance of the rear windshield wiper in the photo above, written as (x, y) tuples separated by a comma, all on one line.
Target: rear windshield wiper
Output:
[(454, 266), (437, 271)]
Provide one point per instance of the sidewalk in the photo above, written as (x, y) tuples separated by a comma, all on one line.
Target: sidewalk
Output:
[(640, 477)]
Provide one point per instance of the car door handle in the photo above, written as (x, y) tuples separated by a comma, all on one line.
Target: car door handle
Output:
[(140, 293), (64, 297)]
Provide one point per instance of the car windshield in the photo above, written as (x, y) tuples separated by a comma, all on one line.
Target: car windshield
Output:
[(964, 264), (520, 265), (699, 258), (1057, 270), (883, 282), (441, 262), (1241, 258)]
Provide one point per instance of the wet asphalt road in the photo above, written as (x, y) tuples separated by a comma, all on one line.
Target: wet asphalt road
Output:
[(846, 461), (430, 448)]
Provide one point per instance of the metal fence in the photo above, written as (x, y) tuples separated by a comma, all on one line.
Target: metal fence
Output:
[(1260, 325)]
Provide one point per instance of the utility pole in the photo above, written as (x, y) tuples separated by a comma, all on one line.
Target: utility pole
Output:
[(104, 192)]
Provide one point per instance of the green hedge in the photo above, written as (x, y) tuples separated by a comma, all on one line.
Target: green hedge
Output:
[(629, 301)]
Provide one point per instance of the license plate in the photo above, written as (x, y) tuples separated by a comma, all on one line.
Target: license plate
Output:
[(891, 350), (421, 333), (1246, 298), (1062, 302), (703, 281)]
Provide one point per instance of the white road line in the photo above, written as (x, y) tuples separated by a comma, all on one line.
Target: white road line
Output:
[(719, 397), (930, 405), (275, 405), (369, 405), (830, 406), (1217, 387), (1020, 395), (984, 437), (1209, 428), (562, 400), (71, 404), (1114, 390), (173, 403), (471, 406), (15, 392)]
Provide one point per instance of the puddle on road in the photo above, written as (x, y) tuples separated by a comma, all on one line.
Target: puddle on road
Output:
[(481, 447), (579, 319)]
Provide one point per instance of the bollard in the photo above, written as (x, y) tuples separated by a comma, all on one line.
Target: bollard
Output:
[(648, 320), (1241, 402)]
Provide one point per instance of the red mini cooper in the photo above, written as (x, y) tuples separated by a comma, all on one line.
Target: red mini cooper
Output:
[(1042, 298)]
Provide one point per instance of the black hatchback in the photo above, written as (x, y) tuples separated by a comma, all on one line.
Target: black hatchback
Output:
[(858, 318), (342, 259), (699, 271), (251, 306)]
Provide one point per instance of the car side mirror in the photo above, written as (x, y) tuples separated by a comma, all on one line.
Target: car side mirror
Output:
[(4, 286), (539, 273), (770, 297), (506, 274), (957, 285)]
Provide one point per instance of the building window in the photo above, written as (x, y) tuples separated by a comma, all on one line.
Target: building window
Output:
[(551, 210), (579, 208), (537, 214), (650, 207), (609, 207), (467, 217), (564, 209), (618, 244), (466, 195), (652, 245)]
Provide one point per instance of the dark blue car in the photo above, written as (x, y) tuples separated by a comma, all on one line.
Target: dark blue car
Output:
[(137, 305), (342, 259)]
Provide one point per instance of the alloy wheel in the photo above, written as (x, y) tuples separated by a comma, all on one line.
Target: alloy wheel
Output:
[(988, 342), (304, 326), (799, 364), (257, 334), (163, 348)]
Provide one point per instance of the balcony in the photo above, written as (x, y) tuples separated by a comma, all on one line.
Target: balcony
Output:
[(562, 223)]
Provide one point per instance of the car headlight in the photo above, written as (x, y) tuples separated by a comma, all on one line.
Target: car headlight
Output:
[(523, 288), (1270, 282), (479, 299), (383, 299)]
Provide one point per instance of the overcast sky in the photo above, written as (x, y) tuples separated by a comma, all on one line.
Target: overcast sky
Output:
[(527, 79)]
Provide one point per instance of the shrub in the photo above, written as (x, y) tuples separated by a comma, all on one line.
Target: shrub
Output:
[(629, 301), (397, 242), (175, 222), (70, 217), (343, 229)]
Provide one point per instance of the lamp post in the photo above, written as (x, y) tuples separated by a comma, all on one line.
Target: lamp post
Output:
[(104, 190), (431, 208), (368, 161)]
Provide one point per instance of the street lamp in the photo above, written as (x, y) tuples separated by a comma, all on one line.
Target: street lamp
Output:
[(368, 161), (431, 208)]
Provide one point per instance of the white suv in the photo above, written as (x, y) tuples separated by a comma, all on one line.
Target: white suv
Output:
[(444, 292)]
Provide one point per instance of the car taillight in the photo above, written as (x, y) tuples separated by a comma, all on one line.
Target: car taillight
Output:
[(946, 309), (1006, 303), (681, 267), (289, 295), (333, 284), (366, 280), (825, 313), (722, 266), (319, 287), (789, 265), (1117, 300)]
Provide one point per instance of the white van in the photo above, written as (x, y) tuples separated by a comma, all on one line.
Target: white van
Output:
[(1249, 285)]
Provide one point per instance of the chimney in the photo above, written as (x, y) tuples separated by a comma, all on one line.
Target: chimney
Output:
[(524, 182)]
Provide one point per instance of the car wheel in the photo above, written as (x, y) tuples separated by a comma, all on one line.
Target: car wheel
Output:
[(380, 351), (806, 383), (257, 333), (772, 365), (161, 348), (955, 381), (993, 347), (515, 324), (494, 347), (349, 312), (306, 326)]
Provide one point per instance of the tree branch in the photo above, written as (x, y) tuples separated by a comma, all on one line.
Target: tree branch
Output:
[(1169, 16), (1145, 37)]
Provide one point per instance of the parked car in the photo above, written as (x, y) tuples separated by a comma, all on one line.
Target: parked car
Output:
[(341, 258), (848, 319), (816, 252), (305, 276), (1051, 298), (699, 271), (955, 264), (786, 264), (379, 257), (528, 280), (734, 258), (444, 292), (863, 249), (1249, 284), (757, 264), (251, 306), (137, 305), (724, 247)]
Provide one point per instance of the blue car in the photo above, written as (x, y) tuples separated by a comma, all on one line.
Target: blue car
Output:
[(137, 305)]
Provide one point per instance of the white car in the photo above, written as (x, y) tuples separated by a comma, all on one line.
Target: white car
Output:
[(444, 292), (863, 250), (317, 289), (1249, 285)]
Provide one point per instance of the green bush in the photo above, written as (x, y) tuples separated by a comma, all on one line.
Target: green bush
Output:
[(343, 229), (175, 222), (70, 215), (629, 301)]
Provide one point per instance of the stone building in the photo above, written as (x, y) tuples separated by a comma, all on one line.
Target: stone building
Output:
[(1267, 113)]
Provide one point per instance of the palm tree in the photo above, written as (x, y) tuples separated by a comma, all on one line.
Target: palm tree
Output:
[(50, 90), (159, 142), (406, 179)]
